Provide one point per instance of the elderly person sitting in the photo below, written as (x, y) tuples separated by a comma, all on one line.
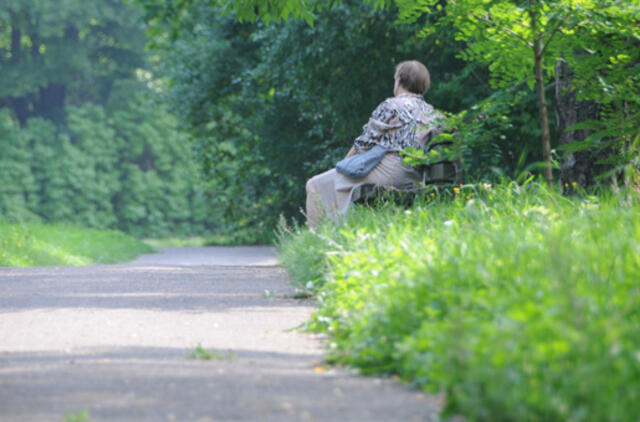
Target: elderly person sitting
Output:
[(397, 123)]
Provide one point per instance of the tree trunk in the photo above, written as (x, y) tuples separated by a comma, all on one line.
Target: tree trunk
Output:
[(51, 101), (35, 45), (542, 101), (16, 36), (577, 167), (19, 105), (71, 33)]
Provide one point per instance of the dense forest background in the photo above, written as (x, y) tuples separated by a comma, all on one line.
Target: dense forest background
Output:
[(99, 131), (83, 138)]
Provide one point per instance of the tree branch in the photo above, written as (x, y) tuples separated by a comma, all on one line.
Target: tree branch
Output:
[(555, 30), (504, 28), (497, 25)]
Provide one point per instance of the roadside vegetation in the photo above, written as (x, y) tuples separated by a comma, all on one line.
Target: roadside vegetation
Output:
[(208, 118), (516, 301), (77, 417), (202, 353), (268, 100), (83, 137), (26, 245), (215, 239)]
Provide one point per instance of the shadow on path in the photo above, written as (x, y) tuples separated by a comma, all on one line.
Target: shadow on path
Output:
[(145, 287), (113, 340)]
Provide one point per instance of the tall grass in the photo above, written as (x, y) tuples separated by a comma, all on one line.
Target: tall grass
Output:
[(23, 245), (519, 303)]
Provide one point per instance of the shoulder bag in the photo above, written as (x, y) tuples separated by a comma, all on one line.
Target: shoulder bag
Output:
[(359, 165)]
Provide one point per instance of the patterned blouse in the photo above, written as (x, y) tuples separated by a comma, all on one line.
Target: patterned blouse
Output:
[(394, 122)]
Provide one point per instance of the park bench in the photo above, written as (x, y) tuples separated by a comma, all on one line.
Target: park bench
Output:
[(435, 176)]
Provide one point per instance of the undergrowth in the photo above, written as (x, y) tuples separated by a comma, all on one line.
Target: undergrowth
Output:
[(31, 244), (518, 303)]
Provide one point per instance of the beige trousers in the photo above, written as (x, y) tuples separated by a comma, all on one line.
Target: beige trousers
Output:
[(330, 193)]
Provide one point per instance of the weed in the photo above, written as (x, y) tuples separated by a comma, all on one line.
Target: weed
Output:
[(201, 353), (517, 302), (302, 294), (77, 417)]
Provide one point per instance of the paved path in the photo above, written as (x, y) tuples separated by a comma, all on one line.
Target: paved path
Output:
[(113, 341)]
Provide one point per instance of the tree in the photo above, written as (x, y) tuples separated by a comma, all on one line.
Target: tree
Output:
[(490, 28), (577, 166), (82, 140), (167, 14), (535, 33), (587, 34), (268, 106), (55, 52), (600, 74)]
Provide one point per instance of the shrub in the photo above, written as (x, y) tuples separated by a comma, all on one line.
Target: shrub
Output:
[(519, 303)]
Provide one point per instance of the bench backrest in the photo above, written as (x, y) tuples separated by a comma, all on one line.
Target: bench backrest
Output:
[(442, 172)]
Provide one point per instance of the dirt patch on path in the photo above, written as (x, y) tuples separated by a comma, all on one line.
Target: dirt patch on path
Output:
[(113, 340)]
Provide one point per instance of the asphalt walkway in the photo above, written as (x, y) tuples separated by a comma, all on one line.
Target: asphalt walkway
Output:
[(114, 341)]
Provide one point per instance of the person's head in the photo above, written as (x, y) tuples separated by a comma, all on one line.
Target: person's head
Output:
[(413, 76)]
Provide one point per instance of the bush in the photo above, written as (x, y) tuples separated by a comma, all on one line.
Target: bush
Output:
[(519, 303), (124, 166), (269, 106)]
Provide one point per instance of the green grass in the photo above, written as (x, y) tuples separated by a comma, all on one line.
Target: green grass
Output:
[(28, 244), (201, 353), (177, 242), (77, 417), (199, 241), (519, 304)]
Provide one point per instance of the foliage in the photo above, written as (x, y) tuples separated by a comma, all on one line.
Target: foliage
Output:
[(494, 138), (600, 39), (81, 139), (519, 303), (57, 52), (216, 238), (167, 14), (122, 167), (77, 417), (307, 269), (604, 54), (270, 106), (35, 244), (202, 353)]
